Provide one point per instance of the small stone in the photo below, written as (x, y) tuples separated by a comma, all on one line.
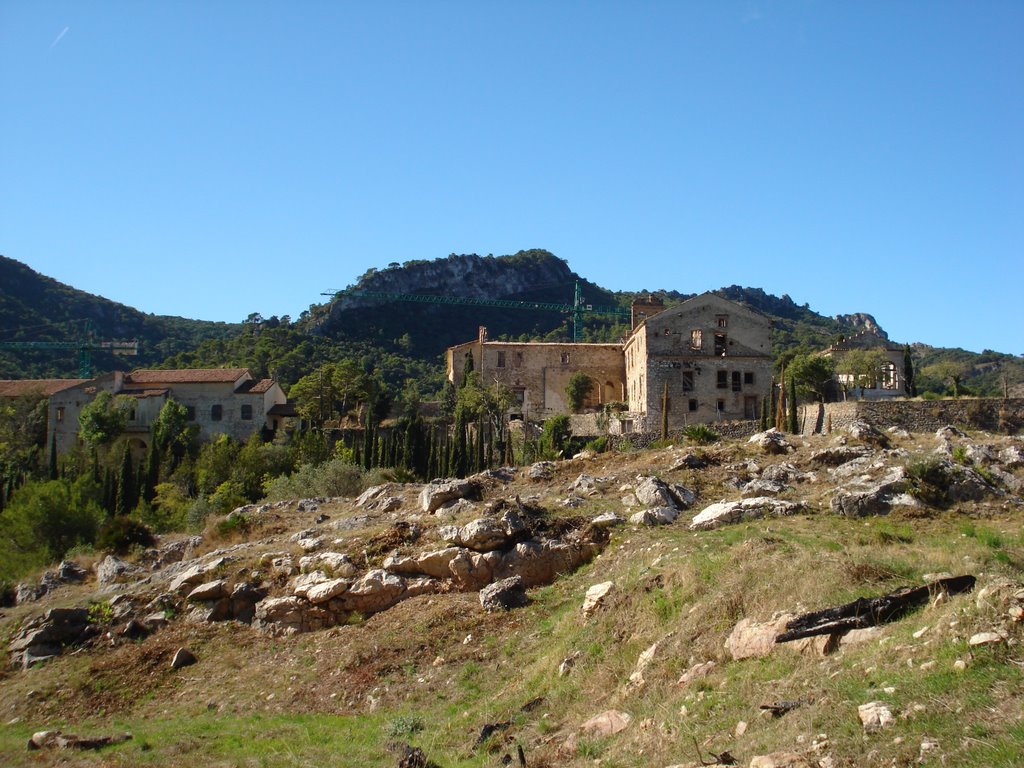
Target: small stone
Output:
[(959, 665), (741, 728), (183, 658), (986, 638), (874, 716)]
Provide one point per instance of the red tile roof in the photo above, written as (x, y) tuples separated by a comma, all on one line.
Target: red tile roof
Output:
[(19, 387), (255, 387), (187, 376)]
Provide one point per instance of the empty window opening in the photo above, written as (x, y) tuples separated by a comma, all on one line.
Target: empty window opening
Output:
[(723, 379), (565, 358), (721, 405), (216, 412), (696, 339), (720, 343), (693, 405), (748, 378), (687, 381), (190, 412), (60, 413), (722, 321), (517, 359), (501, 360), (736, 381), (246, 412)]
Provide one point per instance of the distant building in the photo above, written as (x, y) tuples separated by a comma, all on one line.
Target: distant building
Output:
[(710, 356), (219, 401), (887, 382)]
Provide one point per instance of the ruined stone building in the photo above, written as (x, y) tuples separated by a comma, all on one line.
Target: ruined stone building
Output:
[(887, 382), (709, 356)]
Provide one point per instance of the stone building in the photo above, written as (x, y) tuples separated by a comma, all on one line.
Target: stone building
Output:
[(887, 382), (218, 400), (711, 356)]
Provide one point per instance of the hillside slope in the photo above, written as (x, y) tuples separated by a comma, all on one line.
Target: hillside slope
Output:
[(34, 307), (674, 655)]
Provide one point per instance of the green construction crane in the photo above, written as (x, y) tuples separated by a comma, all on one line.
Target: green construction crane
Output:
[(85, 346), (577, 309)]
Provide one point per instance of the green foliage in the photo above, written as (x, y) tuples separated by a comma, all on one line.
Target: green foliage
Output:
[(121, 534), (577, 390), (332, 478), (215, 463), (555, 436), (864, 366), (100, 612), (929, 481), (103, 420), (172, 432), (812, 374), (44, 520), (701, 434), (404, 726), (598, 444)]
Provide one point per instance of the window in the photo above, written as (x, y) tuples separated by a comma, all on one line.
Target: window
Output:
[(190, 412), (736, 381), (519, 395), (696, 338), (748, 377), (722, 321), (216, 412), (501, 360), (723, 379), (131, 414), (693, 405), (247, 412), (60, 413), (687, 381), (721, 406), (565, 358), (720, 341)]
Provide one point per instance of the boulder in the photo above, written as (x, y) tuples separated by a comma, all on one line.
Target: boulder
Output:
[(111, 570), (606, 520), (70, 572), (595, 597), (728, 512), (438, 493), (655, 516), (302, 584), (607, 723), (760, 487), (183, 657), (325, 590), (869, 497), (45, 636), (541, 470), (376, 591), (210, 590), (184, 582), (336, 563), (483, 535), (750, 638), (840, 454), (772, 441), (696, 672), (504, 595), (867, 433), (652, 492), (782, 760)]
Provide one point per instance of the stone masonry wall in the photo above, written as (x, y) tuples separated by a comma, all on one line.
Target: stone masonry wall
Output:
[(990, 414)]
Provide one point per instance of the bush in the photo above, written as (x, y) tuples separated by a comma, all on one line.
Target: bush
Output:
[(701, 434), (555, 436), (598, 445), (332, 478), (121, 534), (928, 481)]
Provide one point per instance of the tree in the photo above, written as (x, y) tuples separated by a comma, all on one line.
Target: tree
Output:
[(861, 367), (103, 420), (172, 432), (949, 370), (577, 390), (125, 500), (812, 374), (909, 383), (792, 407)]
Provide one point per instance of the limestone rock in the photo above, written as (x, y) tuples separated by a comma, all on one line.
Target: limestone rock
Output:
[(595, 596), (861, 430), (607, 723), (541, 470), (636, 678), (210, 590), (726, 512), (781, 473), (875, 716), (325, 590), (607, 520), (696, 672), (111, 570), (183, 657), (185, 581), (504, 595), (771, 441), (336, 563), (782, 760), (869, 497), (301, 585), (750, 638), (654, 516), (762, 487), (836, 455), (438, 493), (376, 591), (70, 572), (986, 638)]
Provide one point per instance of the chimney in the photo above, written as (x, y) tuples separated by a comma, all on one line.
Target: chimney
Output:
[(483, 334)]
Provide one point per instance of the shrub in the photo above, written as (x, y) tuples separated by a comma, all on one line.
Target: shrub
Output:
[(332, 478), (928, 481), (598, 445), (701, 434), (555, 436), (120, 534)]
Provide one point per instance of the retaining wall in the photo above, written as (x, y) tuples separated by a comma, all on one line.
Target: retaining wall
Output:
[(991, 414)]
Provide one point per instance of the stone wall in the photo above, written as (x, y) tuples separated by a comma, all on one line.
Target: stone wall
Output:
[(990, 414)]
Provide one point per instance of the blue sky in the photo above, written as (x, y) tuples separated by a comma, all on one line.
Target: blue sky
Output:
[(211, 159)]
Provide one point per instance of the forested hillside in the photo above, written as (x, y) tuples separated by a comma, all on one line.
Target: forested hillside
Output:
[(402, 340)]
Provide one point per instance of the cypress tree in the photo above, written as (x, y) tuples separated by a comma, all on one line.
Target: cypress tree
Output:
[(909, 384), (125, 498), (52, 461), (764, 414), (479, 445), (792, 406), (152, 472), (666, 403)]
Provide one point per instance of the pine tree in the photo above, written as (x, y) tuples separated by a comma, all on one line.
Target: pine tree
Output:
[(909, 382)]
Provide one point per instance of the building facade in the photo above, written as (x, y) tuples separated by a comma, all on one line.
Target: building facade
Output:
[(708, 358), (887, 377)]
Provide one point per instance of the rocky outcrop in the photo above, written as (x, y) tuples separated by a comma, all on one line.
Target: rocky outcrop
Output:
[(869, 497), (728, 512), (440, 492), (45, 636)]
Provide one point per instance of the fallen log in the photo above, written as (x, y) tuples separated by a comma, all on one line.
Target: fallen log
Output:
[(869, 612)]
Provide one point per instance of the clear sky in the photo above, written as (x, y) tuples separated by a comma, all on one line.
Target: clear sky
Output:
[(212, 159)]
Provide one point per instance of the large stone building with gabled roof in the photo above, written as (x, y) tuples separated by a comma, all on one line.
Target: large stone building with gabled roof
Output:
[(227, 401), (708, 358)]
